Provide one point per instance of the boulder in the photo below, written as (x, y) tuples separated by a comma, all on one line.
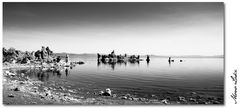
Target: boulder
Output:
[(182, 99), (21, 82), (8, 73), (41, 96), (164, 101), (101, 92), (124, 97), (11, 95), (16, 89), (107, 92), (114, 95), (134, 99), (153, 95), (48, 93), (22, 74), (192, 100)]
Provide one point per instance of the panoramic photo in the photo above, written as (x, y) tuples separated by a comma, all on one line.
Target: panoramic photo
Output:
[(113, 53)]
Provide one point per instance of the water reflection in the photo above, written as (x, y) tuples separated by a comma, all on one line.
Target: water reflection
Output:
[(44, 74), (67, 72), (120, 63), (58, 73), (148, 63)]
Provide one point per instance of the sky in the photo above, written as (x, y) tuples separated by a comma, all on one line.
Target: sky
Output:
[(132, 28)]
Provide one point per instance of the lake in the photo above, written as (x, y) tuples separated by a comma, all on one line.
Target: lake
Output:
[(157, 78)]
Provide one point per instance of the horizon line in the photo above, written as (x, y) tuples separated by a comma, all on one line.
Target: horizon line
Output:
[(126, 53), (146, 54)]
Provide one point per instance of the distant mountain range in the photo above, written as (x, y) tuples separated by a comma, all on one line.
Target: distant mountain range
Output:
[(76, 55), (160, 56)]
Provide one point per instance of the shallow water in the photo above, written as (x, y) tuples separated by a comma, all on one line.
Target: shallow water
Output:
[(158, 77)]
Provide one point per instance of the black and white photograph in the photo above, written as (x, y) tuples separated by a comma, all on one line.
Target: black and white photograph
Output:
[(113, 53)]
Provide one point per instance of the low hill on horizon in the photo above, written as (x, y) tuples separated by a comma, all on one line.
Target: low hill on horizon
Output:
[(160, 56)]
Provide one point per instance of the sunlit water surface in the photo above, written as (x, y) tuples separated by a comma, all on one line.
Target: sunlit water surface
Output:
[(158, 77)]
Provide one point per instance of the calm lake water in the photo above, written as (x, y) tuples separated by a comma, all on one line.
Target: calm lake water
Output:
[(201, 75)]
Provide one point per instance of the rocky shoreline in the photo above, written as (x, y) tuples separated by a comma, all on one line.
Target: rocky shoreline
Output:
[(19, 89)]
